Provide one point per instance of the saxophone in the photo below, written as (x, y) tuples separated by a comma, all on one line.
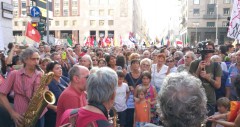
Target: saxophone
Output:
[(39, 101), (113, 117)]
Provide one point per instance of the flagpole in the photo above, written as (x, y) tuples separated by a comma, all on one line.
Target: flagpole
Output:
[(47, 7)]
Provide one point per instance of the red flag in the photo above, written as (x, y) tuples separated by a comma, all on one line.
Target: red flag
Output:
[(102, 42), (120, 40), (168, 43), (107, 41), (179, 42), (92, 42), (32, 33)]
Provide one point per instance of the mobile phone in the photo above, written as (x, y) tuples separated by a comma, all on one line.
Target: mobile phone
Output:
[(22, 47), (64, 55)]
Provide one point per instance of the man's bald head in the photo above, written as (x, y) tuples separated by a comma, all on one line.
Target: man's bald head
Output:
[(77, 70)]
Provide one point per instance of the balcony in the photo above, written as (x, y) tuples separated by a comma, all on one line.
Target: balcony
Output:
[(210, 16)]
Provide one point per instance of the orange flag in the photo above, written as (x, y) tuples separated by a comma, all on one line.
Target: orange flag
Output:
[(32, 33)]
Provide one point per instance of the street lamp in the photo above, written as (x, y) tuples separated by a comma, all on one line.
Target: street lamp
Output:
[(196, 24), (216, 40)]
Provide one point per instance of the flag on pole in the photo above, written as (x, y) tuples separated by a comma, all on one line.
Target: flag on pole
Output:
[(121, 42), (233, 28), (24, 41), (69, 41), (162, 42), (32, 33)]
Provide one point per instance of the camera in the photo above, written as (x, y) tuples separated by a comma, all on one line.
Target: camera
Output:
[(202, 49)]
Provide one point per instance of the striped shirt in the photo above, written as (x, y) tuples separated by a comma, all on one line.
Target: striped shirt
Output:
[(23, 86)]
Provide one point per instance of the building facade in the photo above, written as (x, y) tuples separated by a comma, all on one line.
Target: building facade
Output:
[(80, 19), (204, 20)]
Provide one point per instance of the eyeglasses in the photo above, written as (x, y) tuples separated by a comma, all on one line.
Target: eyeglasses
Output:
[(86, 76), (187, 56), (146, 65), (169, 61), (94, 59)]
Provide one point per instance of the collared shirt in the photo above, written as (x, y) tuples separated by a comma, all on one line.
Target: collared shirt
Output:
[(23, 86), (70, 98)]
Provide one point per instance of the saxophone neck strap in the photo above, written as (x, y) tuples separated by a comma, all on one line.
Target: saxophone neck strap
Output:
[(100, 107)]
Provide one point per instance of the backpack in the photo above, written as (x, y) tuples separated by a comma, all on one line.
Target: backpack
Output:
[(73, 116)]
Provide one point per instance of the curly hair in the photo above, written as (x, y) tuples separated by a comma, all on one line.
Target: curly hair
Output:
[(182, 101)]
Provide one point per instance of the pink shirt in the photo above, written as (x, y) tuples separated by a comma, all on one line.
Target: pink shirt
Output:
[(70, 98), (85, 118), (23, 86)]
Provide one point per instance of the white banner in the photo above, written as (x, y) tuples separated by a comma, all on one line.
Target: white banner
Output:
[(234, 24)]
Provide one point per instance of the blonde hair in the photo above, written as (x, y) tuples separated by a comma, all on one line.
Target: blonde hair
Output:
[(223, 101), (141, 89)]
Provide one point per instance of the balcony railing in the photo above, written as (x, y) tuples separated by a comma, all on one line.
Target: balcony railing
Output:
[(210, 16)]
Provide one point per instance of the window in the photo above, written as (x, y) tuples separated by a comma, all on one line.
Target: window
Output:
[(74, 11), (15, 13), (56, 5), (103, 2), (93, 2), (111, 2), (101, 12), (65, 12), (65, 23), (92, 13), (210, 11), (74, 3), (23, 13), (110, 22), (226, 1), (210, 24), (65, 3), (226, 11), (56, 12), (196, 1), (16, 23), (110, 12), (74, 22), (15, 4), (196, 12), (23, 4), (101, 22), (56, 23), (224, 24), (212, 2), (102, 34), (23, 23), (92, 22)]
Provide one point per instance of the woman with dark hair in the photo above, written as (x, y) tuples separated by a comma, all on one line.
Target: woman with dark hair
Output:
[(121, 63), (133, 79), (111, 62), (57, 85)]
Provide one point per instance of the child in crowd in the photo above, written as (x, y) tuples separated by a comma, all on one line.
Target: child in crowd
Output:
[(223, 105), (150, 96), (121, 98), (142, 108)]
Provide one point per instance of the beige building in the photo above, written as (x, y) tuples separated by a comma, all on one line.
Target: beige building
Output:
[(83, 18), (201, 20)]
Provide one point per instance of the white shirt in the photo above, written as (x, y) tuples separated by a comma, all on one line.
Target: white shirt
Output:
[(120, 99), (157, 77)]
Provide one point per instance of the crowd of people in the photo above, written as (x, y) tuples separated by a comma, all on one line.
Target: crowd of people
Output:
[(154, 86)]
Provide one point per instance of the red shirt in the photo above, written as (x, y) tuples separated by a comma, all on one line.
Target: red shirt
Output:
[(70, 98), (84, 119), (23, 86)]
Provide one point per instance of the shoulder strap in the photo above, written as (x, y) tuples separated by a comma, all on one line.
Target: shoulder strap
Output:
[(215, 64), (73, 117), (103, 123)]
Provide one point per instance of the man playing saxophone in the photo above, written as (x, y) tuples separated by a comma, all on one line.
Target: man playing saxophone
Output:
[(23, 83)]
